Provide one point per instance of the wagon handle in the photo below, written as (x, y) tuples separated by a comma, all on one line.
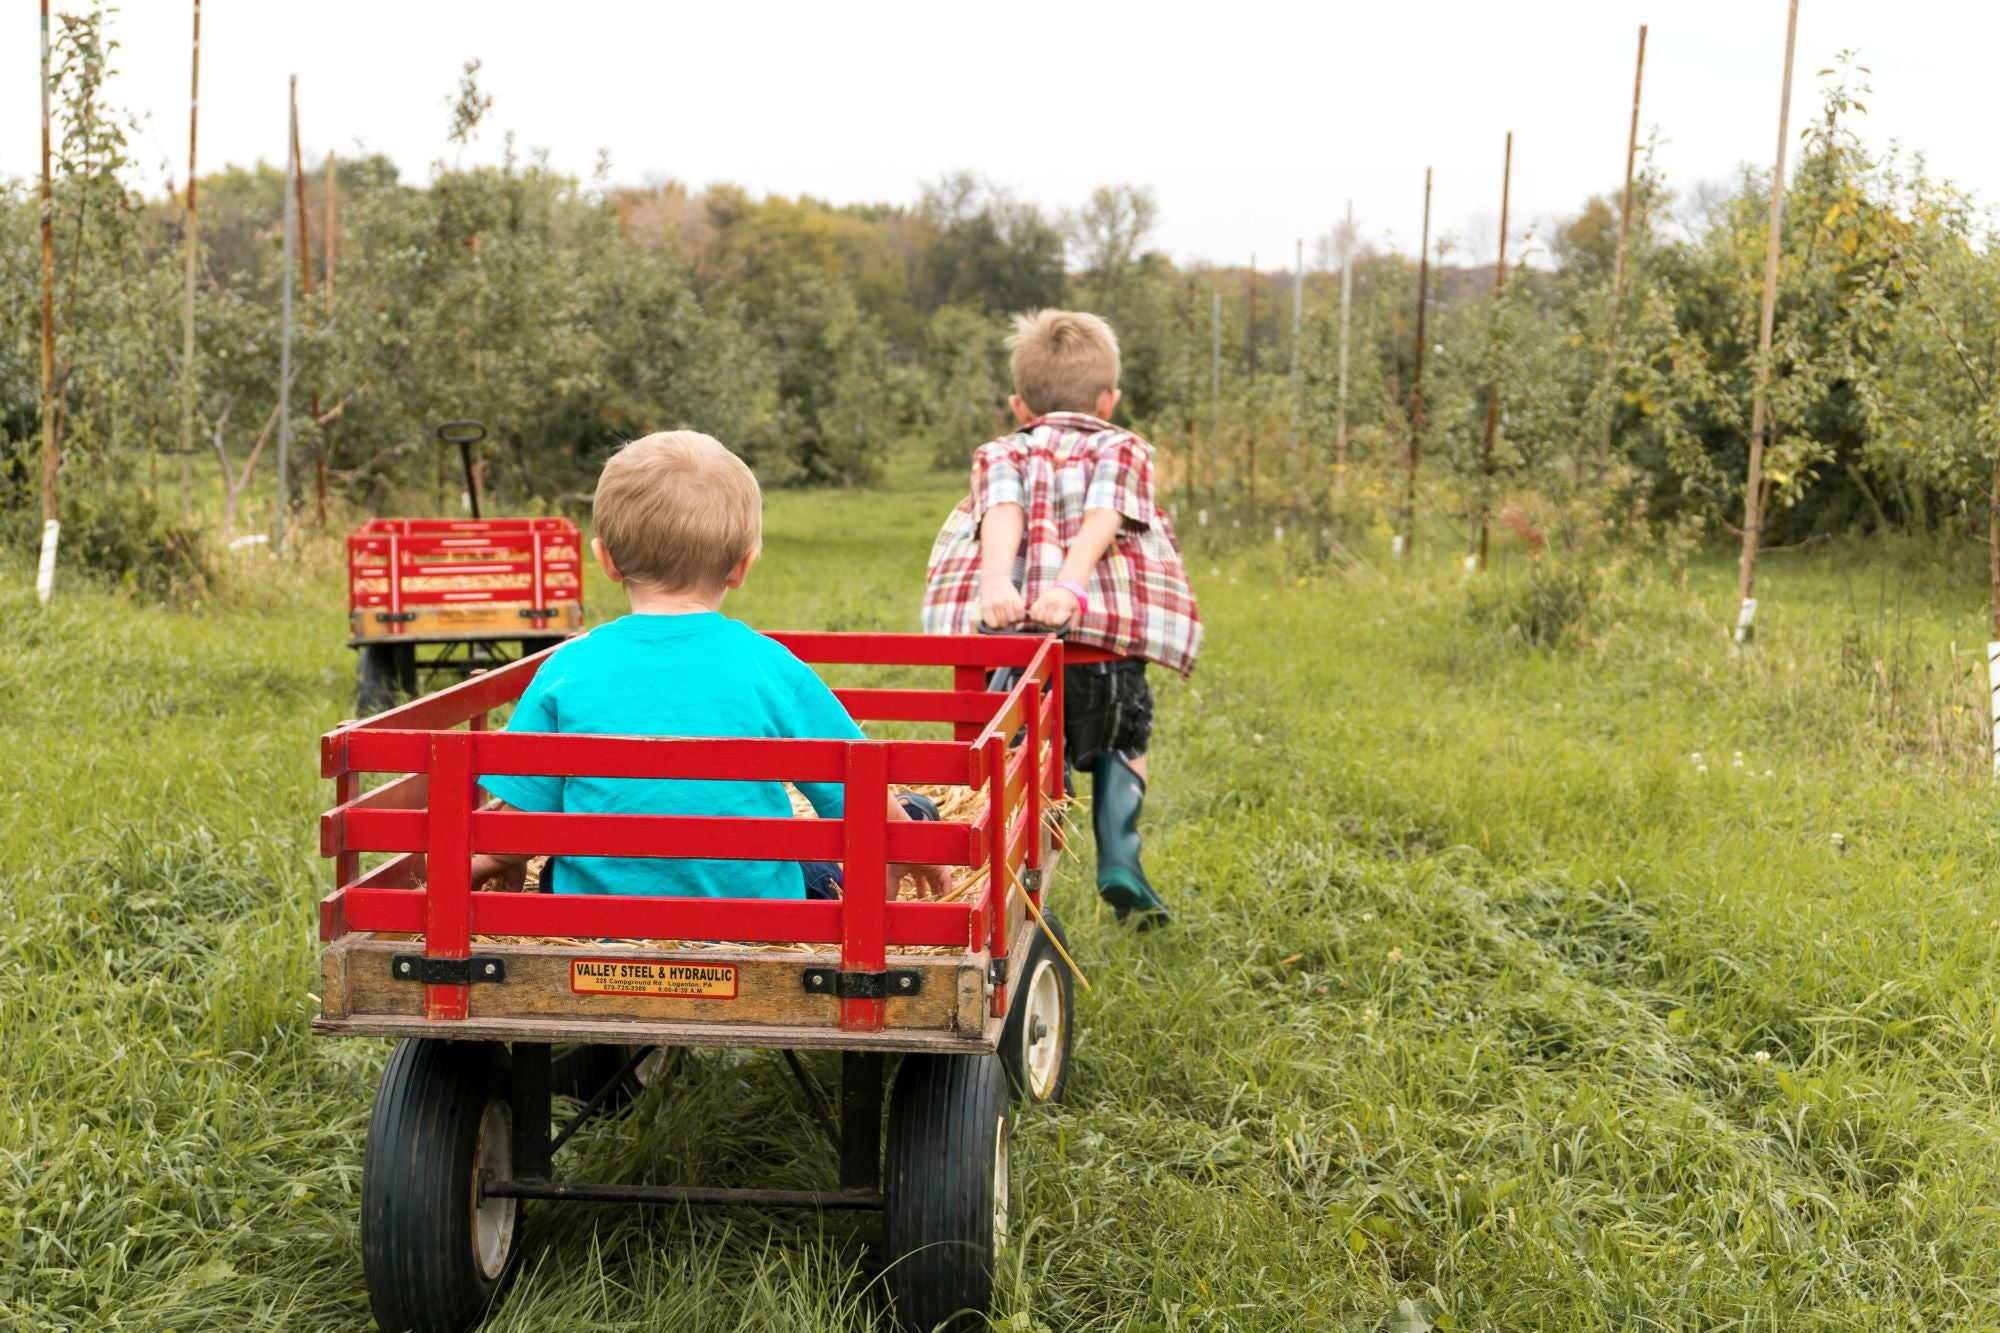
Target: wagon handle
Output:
[(465, 434), (1034, 627)]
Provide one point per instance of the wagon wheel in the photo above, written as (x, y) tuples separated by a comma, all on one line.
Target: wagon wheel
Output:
[(376, 679), (945, 1215), (1041, 1020), (434, 1249)]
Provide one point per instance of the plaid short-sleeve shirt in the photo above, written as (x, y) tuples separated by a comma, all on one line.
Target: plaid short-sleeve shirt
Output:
[(1057, 468)]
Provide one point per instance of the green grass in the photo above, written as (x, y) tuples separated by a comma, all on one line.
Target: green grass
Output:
[(1484, 1007)]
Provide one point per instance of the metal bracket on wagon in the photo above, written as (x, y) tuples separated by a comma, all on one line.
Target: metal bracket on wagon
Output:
[(862, 985), (447, 971), (394, 617), (1031, 879)]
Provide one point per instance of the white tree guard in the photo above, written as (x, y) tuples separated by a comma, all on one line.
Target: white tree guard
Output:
[(45, 570), (1993, 693), (1746, 616)]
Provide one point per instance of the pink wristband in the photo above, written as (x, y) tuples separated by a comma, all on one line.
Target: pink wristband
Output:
[(1076, 591)]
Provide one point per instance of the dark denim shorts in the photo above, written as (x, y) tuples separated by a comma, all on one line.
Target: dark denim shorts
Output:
[(1107, 708)]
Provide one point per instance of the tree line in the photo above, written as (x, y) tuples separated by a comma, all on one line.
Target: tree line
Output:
[(821, 339)]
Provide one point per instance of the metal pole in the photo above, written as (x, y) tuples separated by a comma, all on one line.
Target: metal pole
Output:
[(191, 263), (1753, 482), (1215, 357), (51, 461), (1409, 533), (1346, 305), (1298, 329), (1618, 278), (285, 344), (332, 193), (1190, 312), (1214, 375), (1250, 408), (306, 290), (45, 571), (1250, 323), (1493, 389), (322, 446)]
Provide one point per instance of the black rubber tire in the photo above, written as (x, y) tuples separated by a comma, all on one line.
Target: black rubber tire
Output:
[(1014, 1044), (418, 1191), (948, 1119), (377, 684)]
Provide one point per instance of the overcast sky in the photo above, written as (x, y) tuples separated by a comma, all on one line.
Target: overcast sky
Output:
[(1254, 121)]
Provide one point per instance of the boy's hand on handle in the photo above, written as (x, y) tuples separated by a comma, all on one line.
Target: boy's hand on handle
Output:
[(1056, 606), (1001, 605)]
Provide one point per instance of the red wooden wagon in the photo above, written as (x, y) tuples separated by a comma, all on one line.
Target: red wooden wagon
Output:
[(504, 998), (475, 592)]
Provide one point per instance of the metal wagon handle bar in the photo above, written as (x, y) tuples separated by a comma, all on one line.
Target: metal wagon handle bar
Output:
[(1027, 627)]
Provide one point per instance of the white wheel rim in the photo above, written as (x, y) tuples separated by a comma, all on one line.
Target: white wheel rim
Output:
[(493, 1219), (999, 1183), (1042, 1030)]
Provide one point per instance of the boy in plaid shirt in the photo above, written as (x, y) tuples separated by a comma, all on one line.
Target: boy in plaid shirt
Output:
[(1061, 529)]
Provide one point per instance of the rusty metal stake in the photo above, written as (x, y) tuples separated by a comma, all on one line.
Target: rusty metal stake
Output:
[(1346, 304), (1250, 408), (51, 460), (1409, 533), (191, 263), (1493, 389), (1618, 270), (1753, 482), (285, 339)]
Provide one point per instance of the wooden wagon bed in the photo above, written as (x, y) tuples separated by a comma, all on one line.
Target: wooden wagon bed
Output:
[(413, 949)]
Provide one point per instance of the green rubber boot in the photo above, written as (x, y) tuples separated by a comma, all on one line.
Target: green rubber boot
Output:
[(1118, 794)]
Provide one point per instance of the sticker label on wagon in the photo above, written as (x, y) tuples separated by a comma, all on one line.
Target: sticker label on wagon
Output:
[(627, 976)]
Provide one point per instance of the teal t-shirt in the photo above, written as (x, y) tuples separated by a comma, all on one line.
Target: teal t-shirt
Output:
[(687, 675)]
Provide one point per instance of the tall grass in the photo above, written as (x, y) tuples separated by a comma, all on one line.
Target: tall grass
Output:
[(1487, 1004)]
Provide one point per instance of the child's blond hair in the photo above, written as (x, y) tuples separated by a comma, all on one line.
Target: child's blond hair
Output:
[(1064, 360), (677, 510)]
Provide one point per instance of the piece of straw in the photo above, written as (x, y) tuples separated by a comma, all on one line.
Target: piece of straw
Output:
[(1047, 934)]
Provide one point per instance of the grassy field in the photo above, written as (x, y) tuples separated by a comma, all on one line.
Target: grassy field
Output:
[(1612, 984)]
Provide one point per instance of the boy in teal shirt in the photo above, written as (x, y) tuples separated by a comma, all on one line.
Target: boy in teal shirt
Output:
[(679, 523)]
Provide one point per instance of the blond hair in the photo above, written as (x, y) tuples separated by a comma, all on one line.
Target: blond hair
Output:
[(1063, 360), (677, 510)]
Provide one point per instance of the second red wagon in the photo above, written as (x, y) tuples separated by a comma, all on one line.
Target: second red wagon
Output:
[(472, 593)]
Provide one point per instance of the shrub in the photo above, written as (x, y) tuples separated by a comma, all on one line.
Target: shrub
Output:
[(120, 535), (1566, 599)]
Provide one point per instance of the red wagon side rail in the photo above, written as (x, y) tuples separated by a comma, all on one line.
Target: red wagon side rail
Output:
[(432, 817), (398, 569)]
